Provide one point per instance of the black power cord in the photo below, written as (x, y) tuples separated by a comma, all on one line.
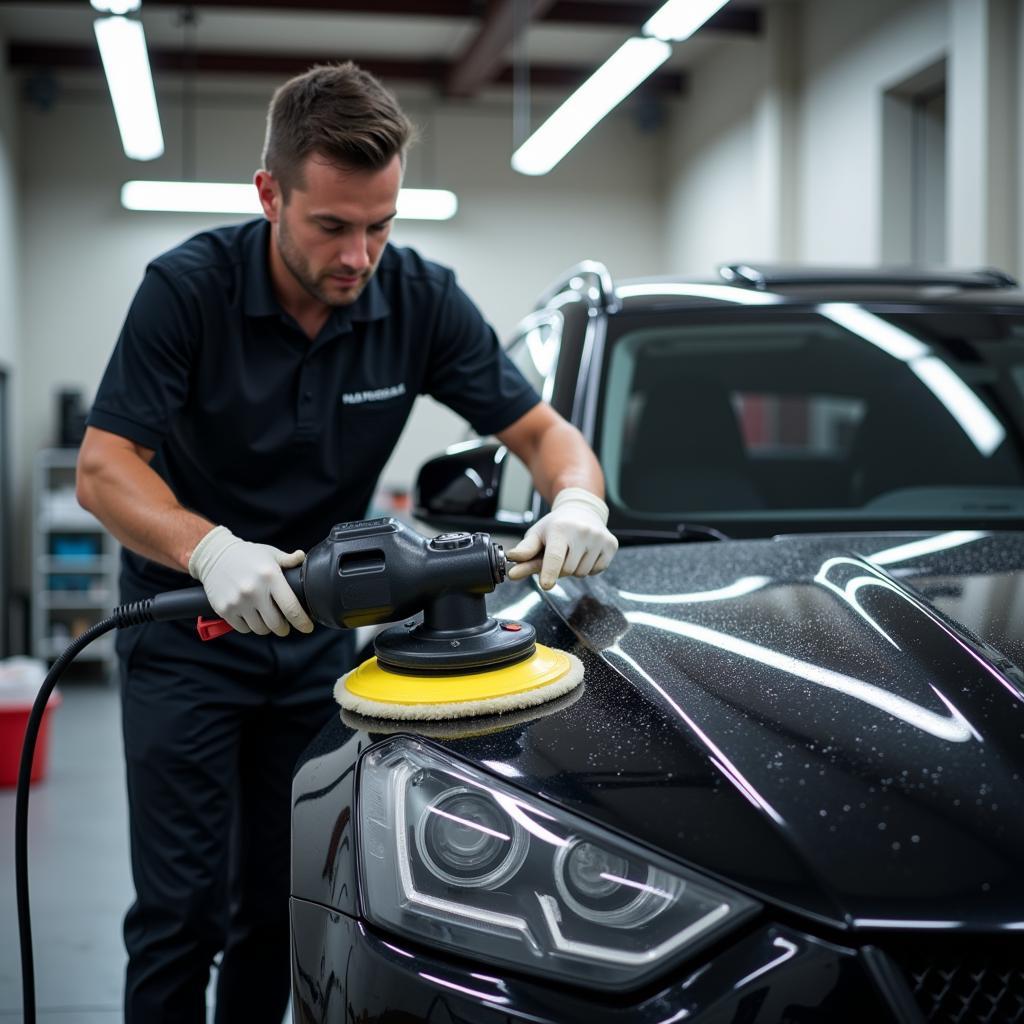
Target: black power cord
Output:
[(175, 604), (35, 718)]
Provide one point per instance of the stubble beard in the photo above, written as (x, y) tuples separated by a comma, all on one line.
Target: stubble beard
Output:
[(298, 267)]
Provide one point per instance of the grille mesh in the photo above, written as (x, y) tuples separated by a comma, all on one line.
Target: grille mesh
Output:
[(976, 991)]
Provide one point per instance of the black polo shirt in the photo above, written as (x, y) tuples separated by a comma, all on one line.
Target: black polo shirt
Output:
[(273, 435)]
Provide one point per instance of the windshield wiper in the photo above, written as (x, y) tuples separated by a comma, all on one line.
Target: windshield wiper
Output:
[(680, 532)]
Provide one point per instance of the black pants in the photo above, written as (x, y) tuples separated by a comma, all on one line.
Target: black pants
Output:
[(212, 732)]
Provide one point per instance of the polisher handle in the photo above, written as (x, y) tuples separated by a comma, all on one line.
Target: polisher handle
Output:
[(192, 601)]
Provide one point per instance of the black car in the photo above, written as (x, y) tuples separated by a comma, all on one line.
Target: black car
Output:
[(788, 788)]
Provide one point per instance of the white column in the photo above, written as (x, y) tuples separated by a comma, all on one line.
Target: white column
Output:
[(983, 133), (776, 133), (10, 340), (1018, 170), (8, 216)]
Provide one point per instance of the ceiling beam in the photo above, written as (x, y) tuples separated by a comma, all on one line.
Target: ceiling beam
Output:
[(739, 20), (52, 57), (626, 13), (484, 57)]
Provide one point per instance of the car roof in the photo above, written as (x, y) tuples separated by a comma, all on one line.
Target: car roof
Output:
[(744, 284)]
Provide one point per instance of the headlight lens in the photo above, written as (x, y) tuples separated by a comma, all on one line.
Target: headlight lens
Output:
[(466, 840), (451, 856)]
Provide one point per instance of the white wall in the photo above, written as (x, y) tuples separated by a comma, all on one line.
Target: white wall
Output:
[(8, 219), (777, 147), (83, 256), (982, 151), (711, 195), (851, 54), (9, 347), (1018, 154)]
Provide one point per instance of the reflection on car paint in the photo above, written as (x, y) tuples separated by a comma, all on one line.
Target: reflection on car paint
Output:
[(464, 989), (743, 586), (974, 417), (848, 591), (927, 546), (717, 758), (953, 728), (788, 952)]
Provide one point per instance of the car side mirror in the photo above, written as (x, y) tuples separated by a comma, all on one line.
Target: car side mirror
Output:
[(460, 489)]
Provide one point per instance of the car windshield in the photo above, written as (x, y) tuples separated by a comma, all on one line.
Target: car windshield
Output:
[(844, 412)]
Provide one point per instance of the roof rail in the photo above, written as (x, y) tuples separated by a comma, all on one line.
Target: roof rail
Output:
[(605, 299), (765, 277)]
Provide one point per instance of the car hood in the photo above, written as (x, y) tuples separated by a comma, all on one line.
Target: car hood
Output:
[(834, 724)]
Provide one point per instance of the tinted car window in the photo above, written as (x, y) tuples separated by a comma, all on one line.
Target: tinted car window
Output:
[(837, 410)]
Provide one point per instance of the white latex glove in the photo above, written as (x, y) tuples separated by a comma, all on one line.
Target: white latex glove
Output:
[(245, 584), (572, 536)]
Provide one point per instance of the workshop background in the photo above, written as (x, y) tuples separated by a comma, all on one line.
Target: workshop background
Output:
[(819, 131)]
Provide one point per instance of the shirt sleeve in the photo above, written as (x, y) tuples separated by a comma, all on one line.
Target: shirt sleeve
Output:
[(145, 383), (470, 372)]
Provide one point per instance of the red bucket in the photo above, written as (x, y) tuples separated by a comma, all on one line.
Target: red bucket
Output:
[(20, 680)]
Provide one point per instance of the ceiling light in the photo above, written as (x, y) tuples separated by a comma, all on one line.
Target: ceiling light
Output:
[(190, 197), (228, 197), (679, 19), (633, 62), (122, 44), (426, 204), (116, 6)]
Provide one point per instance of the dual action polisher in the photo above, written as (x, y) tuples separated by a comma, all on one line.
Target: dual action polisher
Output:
[(454, 662)]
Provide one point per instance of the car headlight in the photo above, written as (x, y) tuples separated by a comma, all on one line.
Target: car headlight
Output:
[(454, 857)]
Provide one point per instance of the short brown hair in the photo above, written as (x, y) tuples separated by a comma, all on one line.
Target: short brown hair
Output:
[(338, 111)]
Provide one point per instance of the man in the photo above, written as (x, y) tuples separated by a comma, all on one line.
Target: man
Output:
[(262, 377)]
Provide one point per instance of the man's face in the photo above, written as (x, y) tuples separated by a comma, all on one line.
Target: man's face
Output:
[(332, 230)]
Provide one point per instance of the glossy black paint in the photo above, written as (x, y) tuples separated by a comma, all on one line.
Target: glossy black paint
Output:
[(832, 723), (344, 971), (820, 750), (824, 732), (462, 484)]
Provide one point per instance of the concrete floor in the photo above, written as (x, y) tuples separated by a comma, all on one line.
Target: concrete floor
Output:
[(80, 882)]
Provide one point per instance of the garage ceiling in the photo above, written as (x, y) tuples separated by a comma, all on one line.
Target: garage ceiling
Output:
[(458, 47)]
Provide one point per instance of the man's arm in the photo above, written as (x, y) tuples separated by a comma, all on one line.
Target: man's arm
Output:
[(243, 580), (554, 452), (116, 484), (572, 539)]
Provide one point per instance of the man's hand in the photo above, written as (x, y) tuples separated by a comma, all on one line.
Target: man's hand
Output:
[(572, 536), (245, 584)]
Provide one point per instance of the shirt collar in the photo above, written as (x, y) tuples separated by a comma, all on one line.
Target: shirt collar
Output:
[(258, 291)]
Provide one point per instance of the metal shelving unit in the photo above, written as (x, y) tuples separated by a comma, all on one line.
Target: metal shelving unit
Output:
[(74, 564)]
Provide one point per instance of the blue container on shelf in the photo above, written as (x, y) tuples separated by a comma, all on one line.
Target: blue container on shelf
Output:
[(70, 545)]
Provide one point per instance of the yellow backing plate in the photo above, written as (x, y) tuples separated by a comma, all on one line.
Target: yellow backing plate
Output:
[(375, 683)]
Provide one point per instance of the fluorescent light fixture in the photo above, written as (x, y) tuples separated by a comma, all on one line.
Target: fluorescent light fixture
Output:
[(122, 44), (624, 70), (228, 197), (427, 204), (116, 6), (679, 19), (190, 197)]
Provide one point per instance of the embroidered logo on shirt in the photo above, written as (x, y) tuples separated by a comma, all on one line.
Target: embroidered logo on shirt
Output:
[(377, 395)]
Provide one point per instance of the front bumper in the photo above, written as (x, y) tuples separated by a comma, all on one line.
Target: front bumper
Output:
[(343, 971)]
